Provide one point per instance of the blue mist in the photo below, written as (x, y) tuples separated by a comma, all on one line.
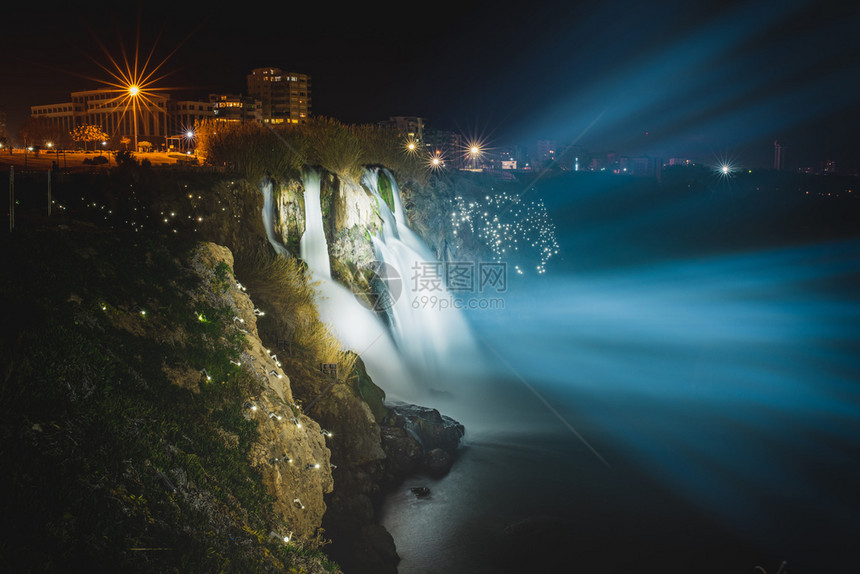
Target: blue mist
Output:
[(680, 392)]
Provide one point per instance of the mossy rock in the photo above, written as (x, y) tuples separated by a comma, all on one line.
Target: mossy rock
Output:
[(385, 190), (369, 392)]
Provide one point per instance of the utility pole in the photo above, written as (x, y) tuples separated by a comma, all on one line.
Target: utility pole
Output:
[(11, 198)]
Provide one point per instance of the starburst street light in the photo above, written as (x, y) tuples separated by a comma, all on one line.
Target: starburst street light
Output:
[(724, 170), (724, 167), (435, 161), (474, 149), (132, 80), (411, 145), (189, 141)]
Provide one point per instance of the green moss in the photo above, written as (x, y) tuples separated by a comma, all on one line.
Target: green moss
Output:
[(385, 190)]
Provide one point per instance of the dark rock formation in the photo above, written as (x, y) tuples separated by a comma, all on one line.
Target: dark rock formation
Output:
[(431, 429), (414, 439)]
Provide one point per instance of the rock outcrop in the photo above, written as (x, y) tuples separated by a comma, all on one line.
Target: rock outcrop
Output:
[(291, 453)]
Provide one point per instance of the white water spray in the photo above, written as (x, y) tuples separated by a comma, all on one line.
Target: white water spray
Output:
[(422, 343), (425, 322)]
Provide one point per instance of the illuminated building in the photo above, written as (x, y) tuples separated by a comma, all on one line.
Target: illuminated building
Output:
[(448, 145), (284, 97), (158, 118), (408, 127), (65, 115), (236, 108), (182, 115), (107, 109), (546, 150)]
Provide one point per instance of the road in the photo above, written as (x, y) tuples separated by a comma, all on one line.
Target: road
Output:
[(32, 161)]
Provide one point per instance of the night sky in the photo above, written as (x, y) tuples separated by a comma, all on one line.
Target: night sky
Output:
[(659, 78)]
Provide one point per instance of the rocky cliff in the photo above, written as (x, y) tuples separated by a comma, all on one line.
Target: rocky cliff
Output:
[(146, 426), (163, 405)]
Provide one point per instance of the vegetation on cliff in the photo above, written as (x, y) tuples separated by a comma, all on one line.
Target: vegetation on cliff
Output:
[(280, 151), (126, 437), (127, 415)]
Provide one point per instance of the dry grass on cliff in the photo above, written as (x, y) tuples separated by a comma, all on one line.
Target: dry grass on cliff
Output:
[(281, 287), (255, 150)]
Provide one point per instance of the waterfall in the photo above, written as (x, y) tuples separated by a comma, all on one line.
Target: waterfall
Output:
[(426, 325), (269, 217), (313, 246), (421, 343), (357, 327)]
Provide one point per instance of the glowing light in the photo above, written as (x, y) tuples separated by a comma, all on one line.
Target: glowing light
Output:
[(436, 161), (411, 146)]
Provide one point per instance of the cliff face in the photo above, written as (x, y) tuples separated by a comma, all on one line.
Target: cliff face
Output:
[(290, 451), (162, 403), (145, 425)]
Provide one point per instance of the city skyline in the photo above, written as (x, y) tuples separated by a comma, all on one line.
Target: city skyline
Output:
[(664, 81)]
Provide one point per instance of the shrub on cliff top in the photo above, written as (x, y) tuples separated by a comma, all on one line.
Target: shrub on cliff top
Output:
[(253, 150)]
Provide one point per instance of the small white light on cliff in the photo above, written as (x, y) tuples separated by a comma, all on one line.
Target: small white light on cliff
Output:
[(326, 433), (312, 466), (298, 503)]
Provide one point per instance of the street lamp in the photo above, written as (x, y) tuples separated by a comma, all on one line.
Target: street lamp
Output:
[(474, 151), (189, 139), (133, 92), (56, 150)]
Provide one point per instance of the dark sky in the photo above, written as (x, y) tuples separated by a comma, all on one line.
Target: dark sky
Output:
[(662, 78)]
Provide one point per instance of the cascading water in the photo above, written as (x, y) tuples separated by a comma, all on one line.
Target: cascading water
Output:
[(420, 342), (313, 246), (429, 330), (356, 326), (268, 217)]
